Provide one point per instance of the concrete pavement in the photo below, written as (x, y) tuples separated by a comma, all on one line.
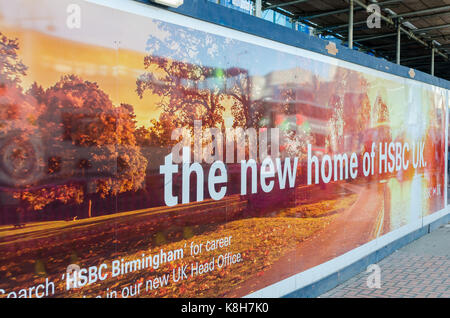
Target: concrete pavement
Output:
[(419, 270)]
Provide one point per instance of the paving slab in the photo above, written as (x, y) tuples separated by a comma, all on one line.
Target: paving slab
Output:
[(420, 269)]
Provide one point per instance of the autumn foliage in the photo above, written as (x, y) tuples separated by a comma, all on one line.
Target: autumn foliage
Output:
[(61, 143)]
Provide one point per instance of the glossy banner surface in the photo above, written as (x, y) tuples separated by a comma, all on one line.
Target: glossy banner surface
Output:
[(147, 154)]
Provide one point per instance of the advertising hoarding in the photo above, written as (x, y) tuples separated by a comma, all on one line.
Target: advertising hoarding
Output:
[(147, 154)]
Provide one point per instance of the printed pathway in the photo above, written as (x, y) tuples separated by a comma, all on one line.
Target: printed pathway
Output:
[(351, 228)]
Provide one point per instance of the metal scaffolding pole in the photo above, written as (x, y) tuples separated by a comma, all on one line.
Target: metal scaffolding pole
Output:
[(280, 5), (258, 4), (399, 35), (432, 61), (340, 26), (409, 33), (432, 28), (430, 10), (327, 13), (350, 25), (368, 38), (415, 58)]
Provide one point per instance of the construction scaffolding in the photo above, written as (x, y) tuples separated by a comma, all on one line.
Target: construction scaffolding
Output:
[(406, 32)]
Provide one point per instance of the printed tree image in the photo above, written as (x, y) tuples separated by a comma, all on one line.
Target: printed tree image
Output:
[(295, 131), (380, 131), (11, 68), (293, 107), (20, 147), (62, 143), (176, 71), (89, 139), (247, 112), (21, 162), (434, 152), (155, 141), (351, 111), (381, 124)]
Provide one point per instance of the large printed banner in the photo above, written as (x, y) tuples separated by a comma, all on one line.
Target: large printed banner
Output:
[(147, 154)]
